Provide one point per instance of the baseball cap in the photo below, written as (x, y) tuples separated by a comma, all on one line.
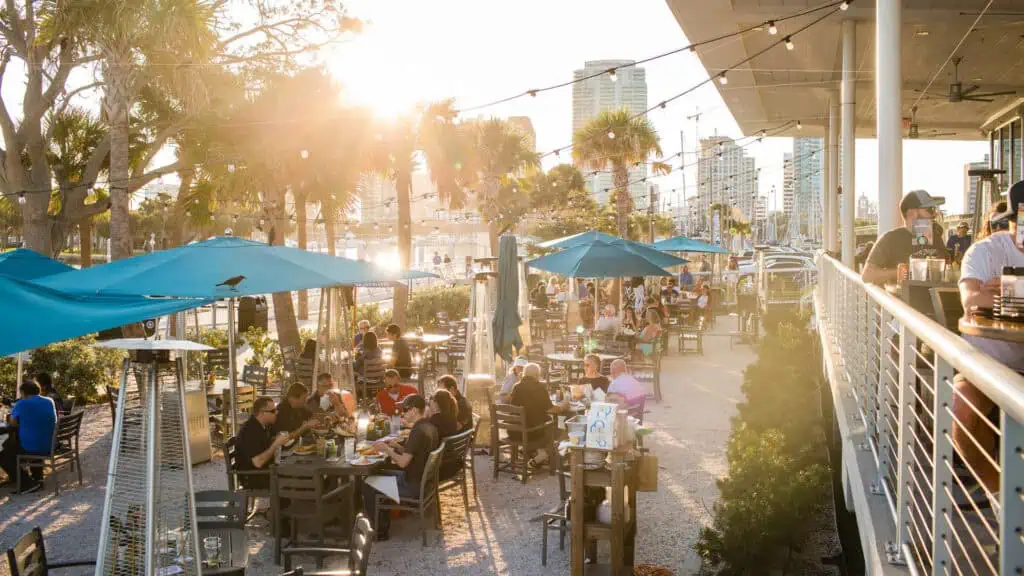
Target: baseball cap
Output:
[(1013, 199), (962, 225), (919, 199), (414, 401), (520, 362)]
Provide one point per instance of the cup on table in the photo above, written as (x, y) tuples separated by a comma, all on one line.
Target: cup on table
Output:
[(211, 544)]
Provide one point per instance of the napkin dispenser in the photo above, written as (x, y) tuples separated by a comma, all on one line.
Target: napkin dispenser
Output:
[(606, 426)]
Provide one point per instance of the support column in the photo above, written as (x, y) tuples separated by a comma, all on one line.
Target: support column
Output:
[(888, 94), (833, 171), (826, 180), (849, 111)]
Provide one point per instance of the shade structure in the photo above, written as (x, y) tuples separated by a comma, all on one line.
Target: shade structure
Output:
[(223, 267), (34, 316), (684, 244), (506, 322), (25, 264), (597, 259), (577, 239), (656, 257)]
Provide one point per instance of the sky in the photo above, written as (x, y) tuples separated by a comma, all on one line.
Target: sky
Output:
[(478, 51)]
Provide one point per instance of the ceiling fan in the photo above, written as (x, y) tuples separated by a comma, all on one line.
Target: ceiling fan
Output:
[(914, 132), (957, 92)]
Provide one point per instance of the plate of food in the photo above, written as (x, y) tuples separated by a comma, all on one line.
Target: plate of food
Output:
[(368, 451), (365, 460), (305, 449)]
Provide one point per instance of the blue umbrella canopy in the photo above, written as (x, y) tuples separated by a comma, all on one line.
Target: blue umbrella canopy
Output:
[(684, 244), (506, 322), (222, 267), (36, 316), (25, 264), (577, 239), (656, 257), (597, 259)]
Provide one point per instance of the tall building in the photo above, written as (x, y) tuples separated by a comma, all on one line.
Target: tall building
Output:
[(525, 126), (971, 185), (866, 209), (787, 183), (808, 160), (375, 195), (725, 175), (590, 97)]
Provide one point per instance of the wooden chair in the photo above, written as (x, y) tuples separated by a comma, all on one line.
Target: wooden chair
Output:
[(452, 472), (948, 307), (216, 363), (304, 372), (358, 560), (372, 379), (256, 376), (63, 451), (113, 397), (558, 517), (28, 557), (246, 398), (238, 478), (647, 370), (692, 333), (221, 509), (68, 405), (309, 503), (428, 495), (512, 419)]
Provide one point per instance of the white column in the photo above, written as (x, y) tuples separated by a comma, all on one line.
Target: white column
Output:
[(888, 88), (849, 134), (833, 171), (826, 180)]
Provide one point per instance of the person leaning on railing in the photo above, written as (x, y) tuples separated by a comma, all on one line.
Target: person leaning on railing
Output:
[(980, 273), (897, 245)]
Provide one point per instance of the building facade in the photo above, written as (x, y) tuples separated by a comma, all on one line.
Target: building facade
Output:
[(787, 183), (725, 175), (808, 170), (592, 96)]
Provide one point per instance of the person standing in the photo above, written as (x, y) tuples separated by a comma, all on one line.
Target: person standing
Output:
[(401, 357), (959, 242), (34, 417)]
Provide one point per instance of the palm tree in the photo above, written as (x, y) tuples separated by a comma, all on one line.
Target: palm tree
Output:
[(617, 138), (75, 135)]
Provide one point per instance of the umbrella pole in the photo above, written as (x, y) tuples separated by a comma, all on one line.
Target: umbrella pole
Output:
[(21, 369), (232, 366), (597, 291)]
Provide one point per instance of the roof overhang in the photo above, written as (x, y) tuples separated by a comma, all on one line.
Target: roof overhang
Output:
[(783, 86)]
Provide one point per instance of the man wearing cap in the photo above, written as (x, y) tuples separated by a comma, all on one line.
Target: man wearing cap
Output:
[(896, 246), (410, 460), (959, 242), (513, 377), (980, 274)]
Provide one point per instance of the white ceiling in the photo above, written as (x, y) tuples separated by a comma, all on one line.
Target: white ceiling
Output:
[(783, 85)]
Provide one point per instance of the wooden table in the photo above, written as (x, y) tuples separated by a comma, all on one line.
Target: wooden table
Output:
[(314, 464), (991, 328), (570, 358), (620, 476)]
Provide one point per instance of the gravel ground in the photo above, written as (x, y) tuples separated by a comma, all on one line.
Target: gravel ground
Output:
[(502, 533)]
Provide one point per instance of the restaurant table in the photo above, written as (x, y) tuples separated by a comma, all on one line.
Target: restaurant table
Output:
[(570, 358), (234, 551), (991, 328)]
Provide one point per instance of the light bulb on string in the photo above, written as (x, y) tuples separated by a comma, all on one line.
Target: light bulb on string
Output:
[(376, 227), (611, 135), (532, 93), (799, 126), (789, 43), (845, 5), (231, 168), (723, 79), (772, 29), (611, 74), (21, 198), (304, 154)]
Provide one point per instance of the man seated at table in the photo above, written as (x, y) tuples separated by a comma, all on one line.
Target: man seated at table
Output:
[(609, 321), (35, 417), (896, 246), (401, 357), (624, 387), (364, 327), (292, 412), (532, 395), (257, 443), (592, 373), (465, 409), (409, 458), (393, 392), (513, 377), (329, 399), (980, 273)]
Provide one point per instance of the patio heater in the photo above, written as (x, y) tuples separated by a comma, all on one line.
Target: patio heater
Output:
[(334, 334), (987, 195), (149, 523), (479, 343)]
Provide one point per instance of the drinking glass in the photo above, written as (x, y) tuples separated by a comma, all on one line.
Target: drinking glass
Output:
[(212, 546)]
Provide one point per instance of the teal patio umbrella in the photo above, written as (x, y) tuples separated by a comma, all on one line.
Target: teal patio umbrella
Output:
[(25, 264), (506, 322), (684, 244), (656, 257), (597, 259)]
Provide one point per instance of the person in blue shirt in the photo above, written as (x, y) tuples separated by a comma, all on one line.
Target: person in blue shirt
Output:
[(959, 242), (34, 418), (685, 278)]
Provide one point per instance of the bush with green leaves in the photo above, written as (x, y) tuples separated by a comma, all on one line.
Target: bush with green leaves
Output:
[(78, 369), (426, 303), (215, 339), (265, 352)]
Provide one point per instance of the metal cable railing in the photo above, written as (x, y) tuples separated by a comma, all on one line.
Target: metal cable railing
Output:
[(951, 473)]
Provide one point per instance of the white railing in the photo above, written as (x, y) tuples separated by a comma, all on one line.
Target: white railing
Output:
[(949, 470)]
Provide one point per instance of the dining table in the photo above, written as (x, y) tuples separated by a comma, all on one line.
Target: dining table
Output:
[(993, 328)]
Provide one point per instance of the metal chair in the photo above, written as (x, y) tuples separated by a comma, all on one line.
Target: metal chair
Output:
[(948, 307), (63, 451), (221, 509), (309, 503), (452, 472), (519, 439), (28, 557), (558, 517), (372, 379), (427, 498), (254, 483), (244, 404), (256, 376), (358, 555)]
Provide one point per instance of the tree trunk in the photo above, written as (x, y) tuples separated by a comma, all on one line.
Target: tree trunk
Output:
[(328, 213), (284, 311), (116, 104), (492, 238), (36, 224), (300, 232), (622, 199), (85, 242), (403, 185)]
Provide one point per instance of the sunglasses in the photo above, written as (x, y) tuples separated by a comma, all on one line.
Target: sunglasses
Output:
[(271, 411)]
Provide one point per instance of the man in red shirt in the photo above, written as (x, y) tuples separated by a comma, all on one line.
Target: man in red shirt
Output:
[(393, 392)]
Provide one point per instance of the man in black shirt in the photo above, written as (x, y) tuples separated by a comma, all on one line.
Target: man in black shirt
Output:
[(292, 413), (592, 373), (410, 459), (465, 418), (532, 395), (896, 246), (256, 444), (401, 358)]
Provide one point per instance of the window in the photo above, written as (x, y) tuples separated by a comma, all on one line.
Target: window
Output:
[(1004, 156), (1015, 139)]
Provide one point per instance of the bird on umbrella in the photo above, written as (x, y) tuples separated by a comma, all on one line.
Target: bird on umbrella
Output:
[(232, 282)]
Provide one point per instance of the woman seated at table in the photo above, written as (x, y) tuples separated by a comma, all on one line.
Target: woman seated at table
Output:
[(443, 413), (465, 409), (650, 334), (704, 303), (629, 322), (592, 373), (370, 351)]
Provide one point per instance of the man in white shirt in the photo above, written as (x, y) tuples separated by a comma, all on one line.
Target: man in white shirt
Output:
[(624, 385)]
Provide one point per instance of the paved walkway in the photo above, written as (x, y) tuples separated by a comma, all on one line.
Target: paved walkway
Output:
[(502, 534)]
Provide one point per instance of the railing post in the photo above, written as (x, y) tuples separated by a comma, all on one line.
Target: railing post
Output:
[(1011, 491), (942, 453), (867, 315), (908, 343), (878, 399)]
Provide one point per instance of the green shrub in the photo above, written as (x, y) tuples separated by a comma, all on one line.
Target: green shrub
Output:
[(78, 368), (427, 302), (378, 319), (266, 352)]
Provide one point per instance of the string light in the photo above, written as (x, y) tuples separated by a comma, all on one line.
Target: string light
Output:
[(304, 154), (723, 79), (611, 135), (231, 168), (789, 43), (772, 28), (611, 74), (799, 126), (844, 6), (21, 198), (532, 93)]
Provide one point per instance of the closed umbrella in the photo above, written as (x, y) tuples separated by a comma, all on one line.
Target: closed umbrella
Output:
[(684, 244), (506, 322), (25, 264), (223, 268)]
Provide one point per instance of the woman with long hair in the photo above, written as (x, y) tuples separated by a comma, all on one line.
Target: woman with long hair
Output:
[(444, 413)]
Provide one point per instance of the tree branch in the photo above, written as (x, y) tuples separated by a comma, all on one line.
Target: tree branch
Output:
[(60, 78), (96, 161), (17, 36), (265, 29), (6, 123), (162, 137), (138, 182)]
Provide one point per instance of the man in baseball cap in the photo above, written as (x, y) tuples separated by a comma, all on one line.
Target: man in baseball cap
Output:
[(513, 377), (959, 241), (897, 245)]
